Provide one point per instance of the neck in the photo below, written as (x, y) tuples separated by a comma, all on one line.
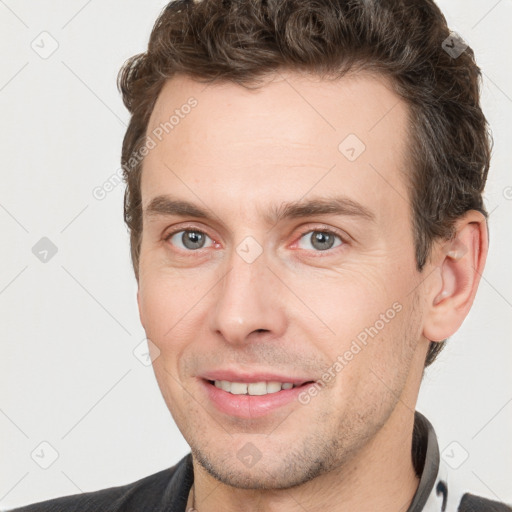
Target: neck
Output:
[(380, 477)]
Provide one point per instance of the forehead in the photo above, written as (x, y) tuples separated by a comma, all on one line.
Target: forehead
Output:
[(295, 134)]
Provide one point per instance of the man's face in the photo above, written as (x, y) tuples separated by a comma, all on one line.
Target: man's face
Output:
[(249, 294)]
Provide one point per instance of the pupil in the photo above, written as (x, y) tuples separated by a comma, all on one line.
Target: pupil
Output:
[(321, 240)]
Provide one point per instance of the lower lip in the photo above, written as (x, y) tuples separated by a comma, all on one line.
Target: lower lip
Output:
[(251, 406)]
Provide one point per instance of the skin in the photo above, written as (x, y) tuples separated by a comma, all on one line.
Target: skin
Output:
[(296, 308)]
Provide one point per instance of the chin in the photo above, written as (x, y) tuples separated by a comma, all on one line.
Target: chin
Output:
[(289, 472)]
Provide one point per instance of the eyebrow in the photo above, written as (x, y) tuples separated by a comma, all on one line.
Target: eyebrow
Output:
[(164, 205)]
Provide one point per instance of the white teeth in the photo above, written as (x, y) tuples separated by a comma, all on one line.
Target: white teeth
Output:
[(252, 388), (273, 387), (238, 388), (257, 388)]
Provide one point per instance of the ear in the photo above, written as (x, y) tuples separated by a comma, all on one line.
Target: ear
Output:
[(460, 263)]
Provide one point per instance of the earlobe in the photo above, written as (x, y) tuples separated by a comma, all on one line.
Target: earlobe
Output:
[(460, 262)]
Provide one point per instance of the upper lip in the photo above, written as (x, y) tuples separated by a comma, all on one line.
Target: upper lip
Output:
[(237, 376)]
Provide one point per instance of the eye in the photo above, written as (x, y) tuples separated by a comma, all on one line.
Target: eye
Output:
[(320, 240), (190, 239)]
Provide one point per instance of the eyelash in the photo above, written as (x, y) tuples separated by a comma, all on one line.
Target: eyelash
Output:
[(318, 229)]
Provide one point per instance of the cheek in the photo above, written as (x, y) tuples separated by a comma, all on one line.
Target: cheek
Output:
[(167, 307), (373, 323), (353, 300), (373, 365)]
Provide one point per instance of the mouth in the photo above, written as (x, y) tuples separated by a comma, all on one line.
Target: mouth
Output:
[(251, 400)]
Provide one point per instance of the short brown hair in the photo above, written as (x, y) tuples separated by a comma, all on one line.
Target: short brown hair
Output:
[(242, 41)]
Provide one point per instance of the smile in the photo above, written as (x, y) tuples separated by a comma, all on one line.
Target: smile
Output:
[(251, 400), (253, 388)]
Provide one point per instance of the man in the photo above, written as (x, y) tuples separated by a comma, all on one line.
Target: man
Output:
[(304, 198)]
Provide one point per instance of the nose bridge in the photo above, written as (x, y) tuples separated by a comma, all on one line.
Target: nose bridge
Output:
[(246, 298)]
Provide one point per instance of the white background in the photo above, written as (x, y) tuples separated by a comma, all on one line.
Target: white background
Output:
[(69, 326)]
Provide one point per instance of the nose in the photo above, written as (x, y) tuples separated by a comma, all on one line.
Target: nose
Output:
[(247, 302)]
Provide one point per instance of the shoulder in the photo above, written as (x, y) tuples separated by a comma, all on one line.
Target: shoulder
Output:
[(472, 503), (143, 495)]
